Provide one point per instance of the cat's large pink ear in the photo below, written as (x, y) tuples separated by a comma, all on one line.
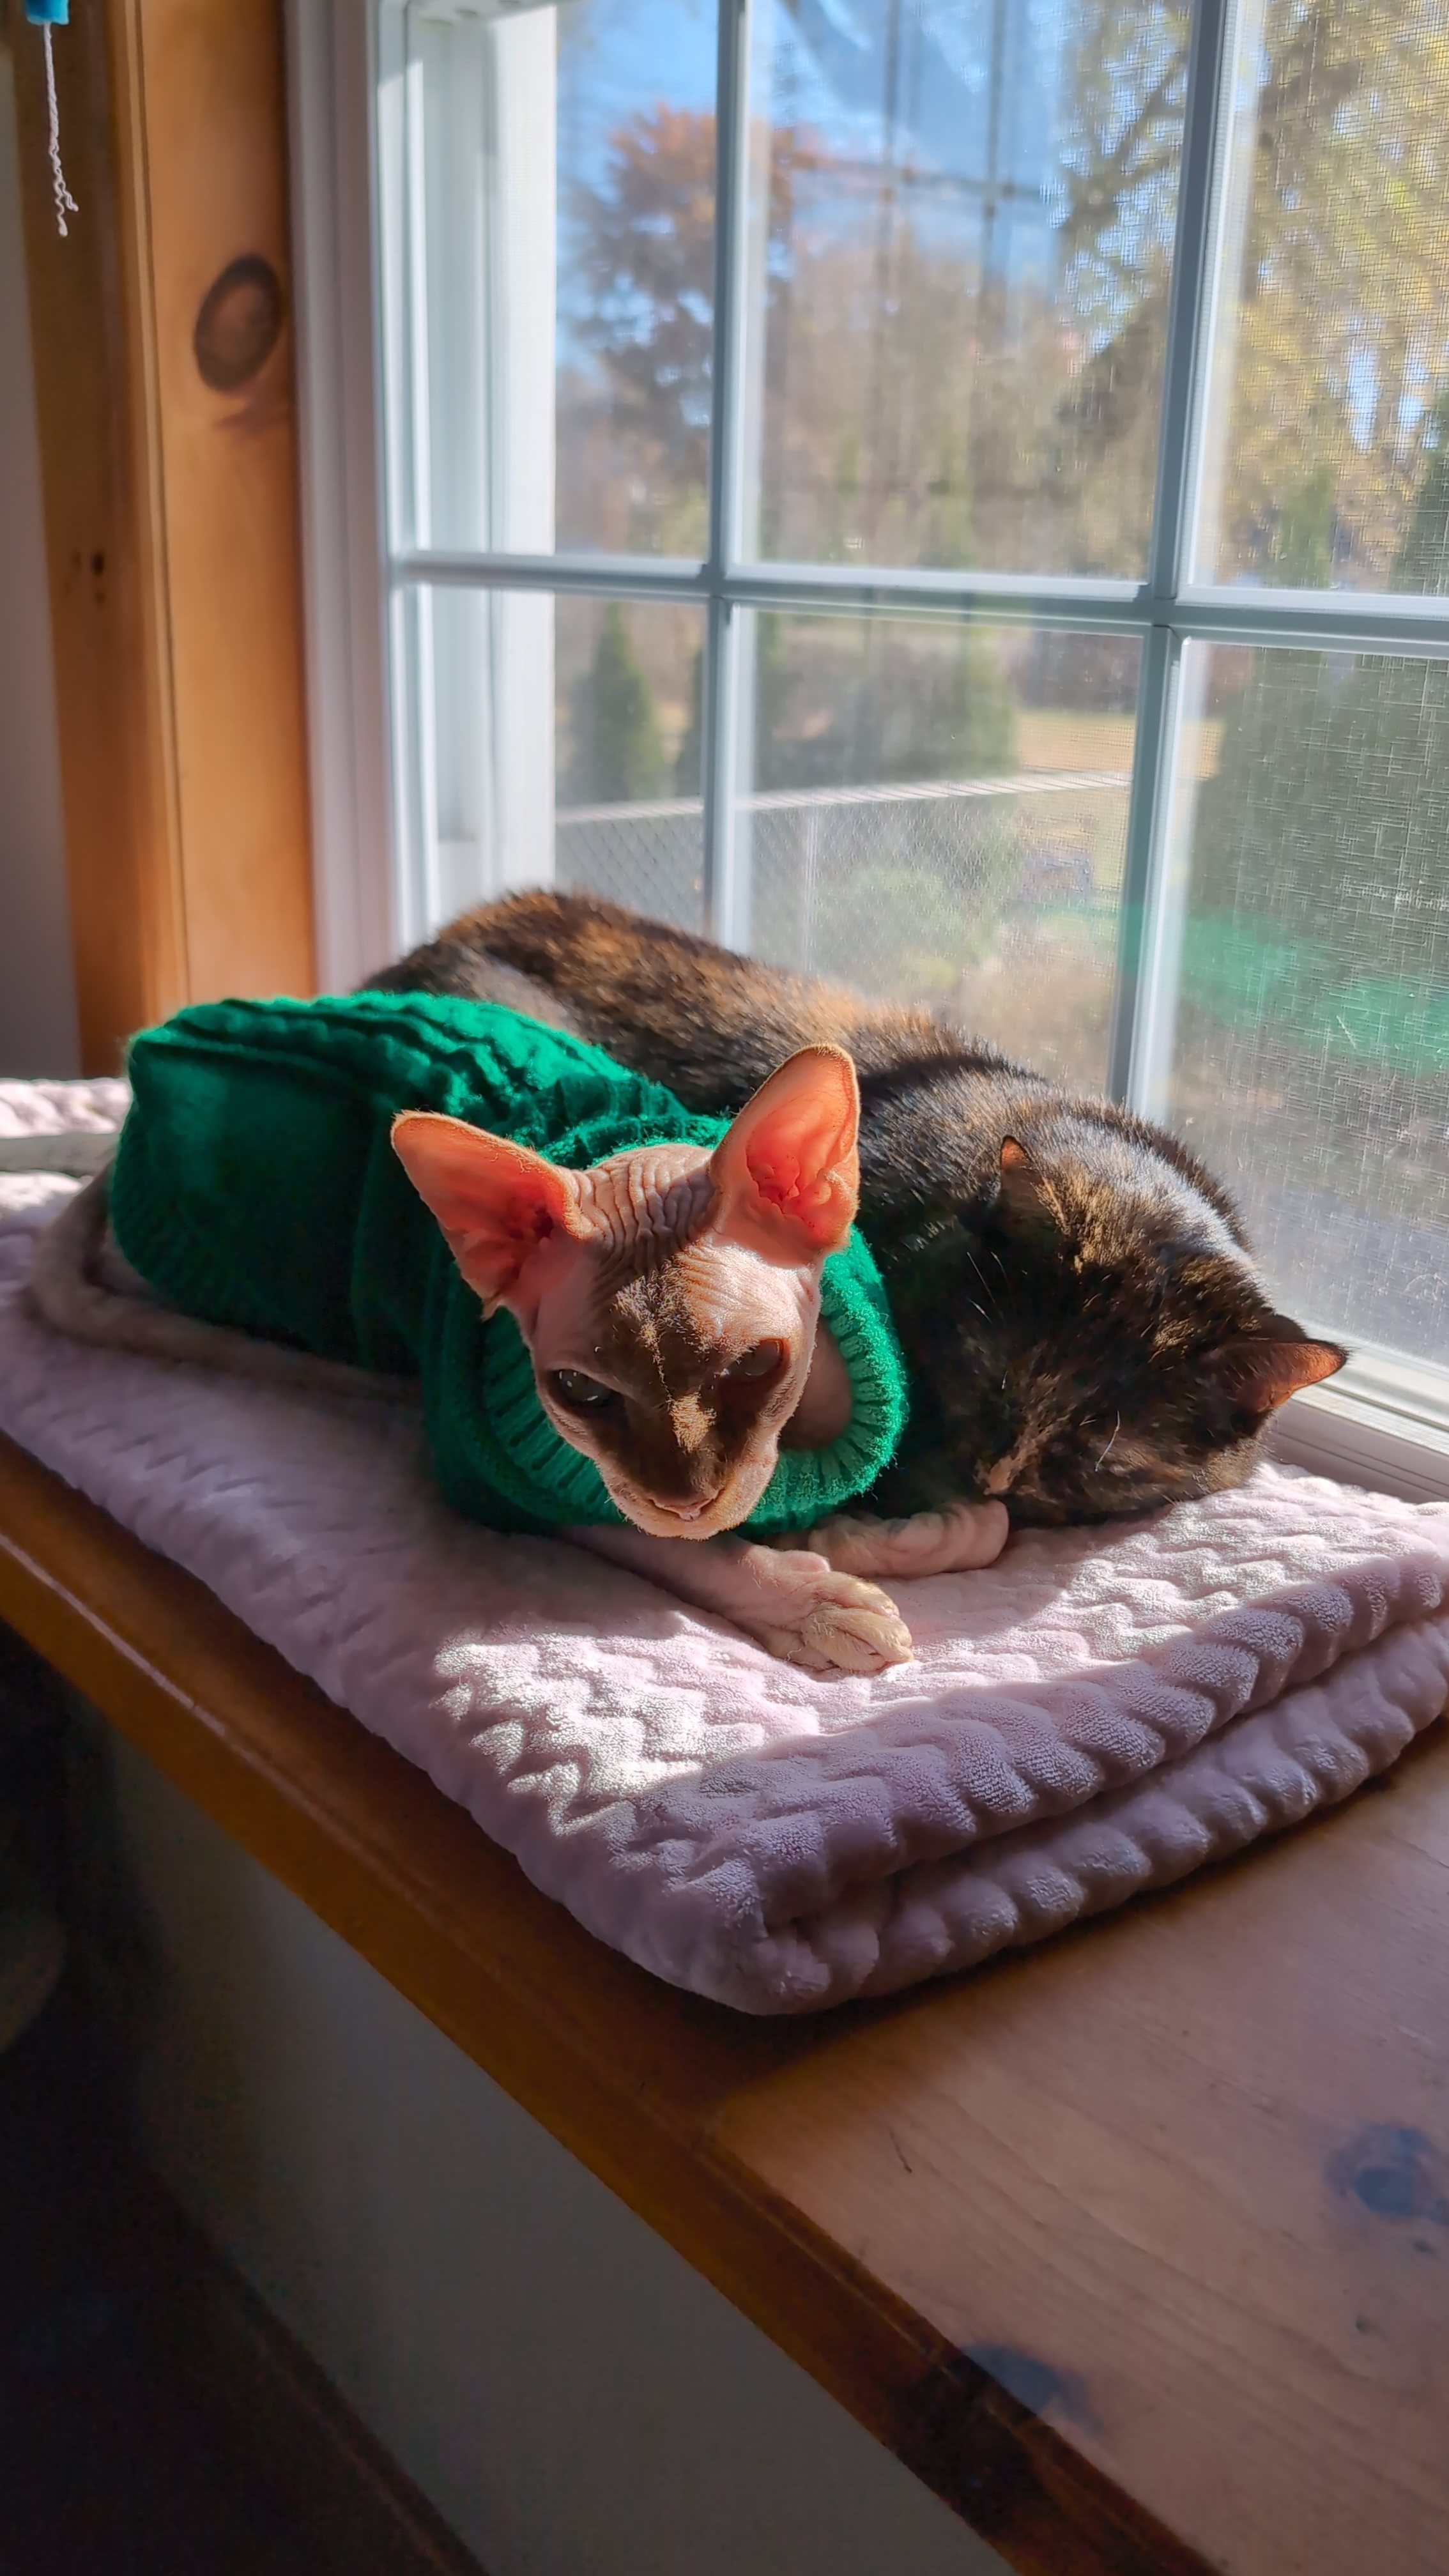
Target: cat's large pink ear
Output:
[(787, 1173), (495, 1201), (1263, 1369)]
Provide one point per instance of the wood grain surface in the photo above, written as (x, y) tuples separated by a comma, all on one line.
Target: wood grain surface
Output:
[(169, 470), (1136, 2248)]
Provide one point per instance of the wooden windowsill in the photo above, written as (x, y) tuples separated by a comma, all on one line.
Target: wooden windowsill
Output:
[(1136, 2248)]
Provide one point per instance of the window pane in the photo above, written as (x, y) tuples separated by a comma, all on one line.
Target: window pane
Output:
[(1327, 461), (548, 190), (938, 814), (555, 741), (1309, 1063), (961, 231)]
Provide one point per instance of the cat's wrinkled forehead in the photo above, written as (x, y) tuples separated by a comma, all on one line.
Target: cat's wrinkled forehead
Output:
[(641, 1208)]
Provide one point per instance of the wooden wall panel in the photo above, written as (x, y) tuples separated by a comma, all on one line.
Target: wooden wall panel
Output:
[(168, 445), (216, 159), (102, 552)]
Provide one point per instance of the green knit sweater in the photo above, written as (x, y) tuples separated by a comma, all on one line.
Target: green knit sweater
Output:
[(255, 1185)]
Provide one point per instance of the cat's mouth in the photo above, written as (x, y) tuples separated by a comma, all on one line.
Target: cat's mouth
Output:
[(681, 1520)]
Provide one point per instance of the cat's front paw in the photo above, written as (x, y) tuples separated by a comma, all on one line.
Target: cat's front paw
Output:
[(949, 1542), (827, 1621)]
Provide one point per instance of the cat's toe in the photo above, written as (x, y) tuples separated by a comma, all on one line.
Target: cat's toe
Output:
[(824, 1620), (852, 1640), (851, 1628), (791, 1646), (830, 1643)]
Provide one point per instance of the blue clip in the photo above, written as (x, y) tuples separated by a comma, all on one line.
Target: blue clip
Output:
[(48, 13)]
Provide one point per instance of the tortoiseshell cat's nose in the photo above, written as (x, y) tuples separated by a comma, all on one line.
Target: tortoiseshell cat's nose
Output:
[(1012, 1464)]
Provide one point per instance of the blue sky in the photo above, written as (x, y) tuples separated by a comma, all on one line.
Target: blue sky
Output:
[(826, 65), (984, 148)]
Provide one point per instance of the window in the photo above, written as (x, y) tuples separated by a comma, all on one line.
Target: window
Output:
[(954, 495)]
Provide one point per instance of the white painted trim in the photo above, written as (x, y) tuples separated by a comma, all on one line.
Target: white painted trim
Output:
[(465, 117), (330, 114), (1342, 1430)]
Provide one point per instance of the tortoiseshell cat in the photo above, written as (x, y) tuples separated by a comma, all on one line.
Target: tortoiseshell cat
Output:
[(1075, 1294)]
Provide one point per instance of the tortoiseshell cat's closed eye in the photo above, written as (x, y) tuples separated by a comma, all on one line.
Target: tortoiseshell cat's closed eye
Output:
[(1085, 1325)]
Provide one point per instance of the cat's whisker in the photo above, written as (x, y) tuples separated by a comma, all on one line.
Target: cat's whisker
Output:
[(1106, 1453), (990, 1308)]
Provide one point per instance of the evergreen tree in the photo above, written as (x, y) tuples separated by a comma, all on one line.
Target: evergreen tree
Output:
[(978, 736), (1301, 554), (616, 756), (1423, 559), (779, 761), (689, 759)]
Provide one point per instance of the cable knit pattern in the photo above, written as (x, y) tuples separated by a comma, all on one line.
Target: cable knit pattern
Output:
[(1100, 1712)]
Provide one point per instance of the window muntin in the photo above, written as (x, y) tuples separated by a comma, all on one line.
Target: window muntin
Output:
[(1098, 961)]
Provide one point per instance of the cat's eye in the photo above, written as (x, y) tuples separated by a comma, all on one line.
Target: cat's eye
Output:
[(583, 1394), (760, 1362)]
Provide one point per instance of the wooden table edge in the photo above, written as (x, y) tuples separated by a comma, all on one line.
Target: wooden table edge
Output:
[(627, 2073)]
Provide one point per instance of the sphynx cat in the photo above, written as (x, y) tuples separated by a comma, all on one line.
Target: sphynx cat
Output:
[(670, 1303)]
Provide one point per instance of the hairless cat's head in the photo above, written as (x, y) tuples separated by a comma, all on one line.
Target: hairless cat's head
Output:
[(669, 1297)]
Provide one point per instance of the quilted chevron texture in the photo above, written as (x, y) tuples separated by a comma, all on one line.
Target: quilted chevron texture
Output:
[(92, 1108), (1100, 1712)]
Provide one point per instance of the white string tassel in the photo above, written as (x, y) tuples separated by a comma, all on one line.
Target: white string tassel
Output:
[(65, 203)]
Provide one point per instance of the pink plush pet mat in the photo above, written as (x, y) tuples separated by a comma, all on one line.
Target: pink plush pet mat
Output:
[(1102, 1711)]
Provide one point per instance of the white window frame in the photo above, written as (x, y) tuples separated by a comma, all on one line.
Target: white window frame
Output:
[(1385, 1420)]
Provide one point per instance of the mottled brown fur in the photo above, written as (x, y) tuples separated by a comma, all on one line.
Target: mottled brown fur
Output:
[(1086, 1329)]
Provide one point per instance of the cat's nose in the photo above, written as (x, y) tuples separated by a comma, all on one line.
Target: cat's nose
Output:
[(689, 1507), (1022, 1454)]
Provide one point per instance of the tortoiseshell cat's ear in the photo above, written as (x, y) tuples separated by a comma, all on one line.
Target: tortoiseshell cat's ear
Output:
[(1262, 1370), (1027, 1205)]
